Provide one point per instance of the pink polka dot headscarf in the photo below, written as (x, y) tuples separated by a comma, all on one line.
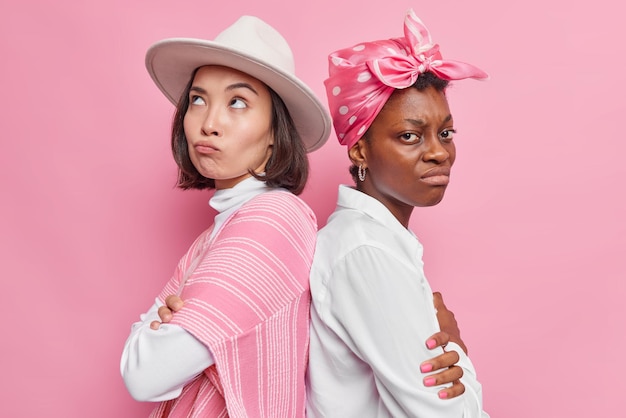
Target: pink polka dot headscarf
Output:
[(362, 78)]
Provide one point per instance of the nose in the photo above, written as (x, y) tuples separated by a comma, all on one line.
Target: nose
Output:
[(436, 151), (212, 125)]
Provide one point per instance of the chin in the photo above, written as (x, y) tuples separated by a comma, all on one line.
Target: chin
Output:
[(433, 201)]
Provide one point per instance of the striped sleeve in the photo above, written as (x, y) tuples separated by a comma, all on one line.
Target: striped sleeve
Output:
[(248, 301)]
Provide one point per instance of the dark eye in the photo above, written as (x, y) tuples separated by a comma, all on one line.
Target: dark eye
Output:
[(197, 100), (410, 137), (447, 135), (238, 103)]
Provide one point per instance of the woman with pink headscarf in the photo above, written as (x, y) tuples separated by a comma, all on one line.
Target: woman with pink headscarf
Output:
[(372, 305)]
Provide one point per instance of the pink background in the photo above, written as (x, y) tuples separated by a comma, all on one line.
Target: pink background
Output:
[(527, 247)]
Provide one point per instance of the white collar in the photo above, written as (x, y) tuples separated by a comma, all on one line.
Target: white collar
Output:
[(228, 201), (351, 198)]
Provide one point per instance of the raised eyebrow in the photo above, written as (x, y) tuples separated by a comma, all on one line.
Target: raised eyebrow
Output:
[(235, 86), (241, 86), (197, 90)]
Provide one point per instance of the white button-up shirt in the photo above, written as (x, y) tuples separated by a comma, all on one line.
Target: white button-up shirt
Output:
[(371, 315)]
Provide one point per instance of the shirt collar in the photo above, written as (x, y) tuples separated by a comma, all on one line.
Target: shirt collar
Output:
[(351, 198)]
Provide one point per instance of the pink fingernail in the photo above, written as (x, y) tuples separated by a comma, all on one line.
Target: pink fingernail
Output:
[(426, 367), (429, 381), (443, 395), (431, 344)]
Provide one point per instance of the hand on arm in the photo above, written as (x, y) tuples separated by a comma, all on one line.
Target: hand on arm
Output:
[(173, 303), (158, 362), (445, 365), (446, 362), (373, 313)]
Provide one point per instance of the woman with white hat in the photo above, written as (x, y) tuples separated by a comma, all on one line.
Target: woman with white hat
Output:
[(243, 125)]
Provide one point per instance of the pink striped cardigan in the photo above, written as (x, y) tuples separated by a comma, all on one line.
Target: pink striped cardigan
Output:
[(248, 301)]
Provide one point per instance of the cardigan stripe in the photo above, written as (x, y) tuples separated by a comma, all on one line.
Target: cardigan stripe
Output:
[(248, 300)]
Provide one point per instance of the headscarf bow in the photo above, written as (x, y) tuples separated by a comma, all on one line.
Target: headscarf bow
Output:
[(362, 78)]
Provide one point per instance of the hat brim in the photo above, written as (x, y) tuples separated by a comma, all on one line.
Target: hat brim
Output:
[(171, 63)]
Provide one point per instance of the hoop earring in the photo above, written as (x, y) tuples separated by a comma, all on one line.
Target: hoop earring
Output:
[(361, 173)]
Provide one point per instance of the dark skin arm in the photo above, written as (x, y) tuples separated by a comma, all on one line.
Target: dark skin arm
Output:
[(444, 364)]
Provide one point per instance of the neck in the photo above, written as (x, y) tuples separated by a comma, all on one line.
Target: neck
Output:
[(401, 211)]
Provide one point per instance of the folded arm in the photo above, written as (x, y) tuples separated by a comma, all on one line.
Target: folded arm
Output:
[(387, 308), (157, 363)]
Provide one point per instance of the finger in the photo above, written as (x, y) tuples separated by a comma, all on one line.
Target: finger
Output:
[(165, 314), (439, 339), (442, 361), (174, 302), (448, 324), (155, 325), (438, 301), (444, 377), (453, 391)]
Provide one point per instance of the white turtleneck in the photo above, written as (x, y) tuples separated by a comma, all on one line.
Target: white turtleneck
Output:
[(157, 364), (228, 201)]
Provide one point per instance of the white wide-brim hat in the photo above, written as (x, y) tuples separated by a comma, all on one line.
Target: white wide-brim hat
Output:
[(253, 47)]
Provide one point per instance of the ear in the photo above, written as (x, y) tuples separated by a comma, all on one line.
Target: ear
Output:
[(358, 153)]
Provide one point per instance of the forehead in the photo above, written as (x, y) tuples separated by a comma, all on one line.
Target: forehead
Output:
[(428, 104)]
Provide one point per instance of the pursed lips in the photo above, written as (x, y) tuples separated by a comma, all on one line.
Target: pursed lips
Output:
[(205, 148), (438, 176)]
